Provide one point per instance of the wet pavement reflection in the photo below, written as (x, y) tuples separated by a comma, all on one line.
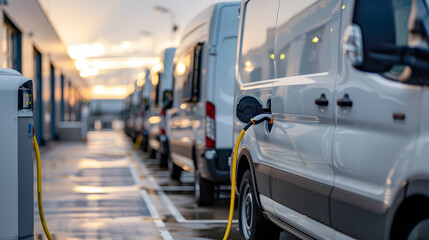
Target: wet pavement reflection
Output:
[(103, 190)]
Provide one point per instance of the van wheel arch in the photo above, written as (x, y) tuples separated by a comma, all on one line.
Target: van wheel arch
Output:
[(410, 212), (411, 209), (244, 163)]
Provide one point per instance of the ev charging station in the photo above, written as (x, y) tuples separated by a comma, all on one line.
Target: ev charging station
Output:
[(16, 160)]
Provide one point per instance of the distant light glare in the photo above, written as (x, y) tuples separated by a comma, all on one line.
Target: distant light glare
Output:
[(98, 89), (154, 79), (180, 68), (82, 64), (141, 80), (89, 72), (120, 63), (131, 89), (140, 83), (157, 67), (109, 92), (282, 56), (86, 50)]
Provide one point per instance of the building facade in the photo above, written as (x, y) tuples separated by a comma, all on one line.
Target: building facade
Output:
[(30, 45)]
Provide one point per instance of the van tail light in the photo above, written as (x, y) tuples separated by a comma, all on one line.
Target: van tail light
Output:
[(210, 125), (163, 113)]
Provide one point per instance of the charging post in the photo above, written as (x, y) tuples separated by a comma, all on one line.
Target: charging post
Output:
[(16, 161)]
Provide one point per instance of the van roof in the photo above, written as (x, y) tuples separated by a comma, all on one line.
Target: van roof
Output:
[(204, 17)]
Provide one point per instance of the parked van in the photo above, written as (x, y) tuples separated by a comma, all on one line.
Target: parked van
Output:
[(202, 113), (132, 105), (144, 106), (161, 97), (347, 153)]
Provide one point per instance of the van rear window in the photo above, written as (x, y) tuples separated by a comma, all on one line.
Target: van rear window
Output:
[(191, 85)]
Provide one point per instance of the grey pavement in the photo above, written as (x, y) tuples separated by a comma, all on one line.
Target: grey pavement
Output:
[(103, 190)]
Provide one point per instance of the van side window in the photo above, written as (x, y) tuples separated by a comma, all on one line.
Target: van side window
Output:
[(257, 53), (402, 9), (191, 86), (304, 36)]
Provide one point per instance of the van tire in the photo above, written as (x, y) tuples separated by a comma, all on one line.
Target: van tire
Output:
[(252, 223), (204, 191), (420, 230), (163, 159), (144, 144), (411, 219), (152, 153), (175, 171)]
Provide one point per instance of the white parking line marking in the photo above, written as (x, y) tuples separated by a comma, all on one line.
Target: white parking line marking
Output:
[(154, 213), (167, 202), (171, 207), (177, 188), (135, 175), (150, 206), (166, 235)]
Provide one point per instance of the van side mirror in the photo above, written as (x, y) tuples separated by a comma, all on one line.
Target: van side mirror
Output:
[(248, 107), (371, 44), (372, 29)]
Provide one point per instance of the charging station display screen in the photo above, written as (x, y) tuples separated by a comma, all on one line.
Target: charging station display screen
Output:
[(25, 99)]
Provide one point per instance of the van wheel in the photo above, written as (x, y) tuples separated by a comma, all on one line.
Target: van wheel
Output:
[(204, 191), (252, 223), (144, 144), (419, 230), (162, 158), (175, 171), (152, 153)]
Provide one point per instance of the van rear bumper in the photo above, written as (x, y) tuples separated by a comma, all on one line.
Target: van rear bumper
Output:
[(213, 165)]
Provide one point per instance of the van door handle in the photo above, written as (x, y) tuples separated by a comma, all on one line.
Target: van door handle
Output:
[(345, 101), (322, 101)]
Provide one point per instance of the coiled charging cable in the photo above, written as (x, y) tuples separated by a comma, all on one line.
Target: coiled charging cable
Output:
[(39, 190), (253, 121)]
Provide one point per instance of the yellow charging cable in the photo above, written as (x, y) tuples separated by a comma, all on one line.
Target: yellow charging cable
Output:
[(233, 173), (39, 189), (253, 121), (138, 142)]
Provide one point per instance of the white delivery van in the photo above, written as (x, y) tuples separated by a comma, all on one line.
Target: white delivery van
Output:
[(347, 153), (144, 108), (202, 113), (161, 97), (133, 102)]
